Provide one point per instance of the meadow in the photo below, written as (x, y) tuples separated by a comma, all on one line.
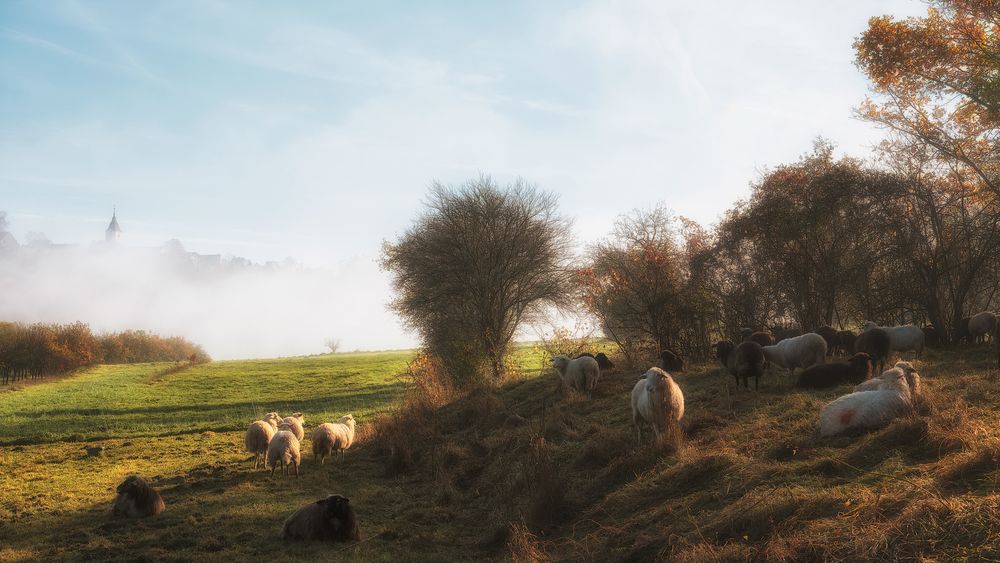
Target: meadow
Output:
[(521, 472)]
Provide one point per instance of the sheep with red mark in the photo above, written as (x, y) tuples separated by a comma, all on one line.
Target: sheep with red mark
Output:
[(867, 409)]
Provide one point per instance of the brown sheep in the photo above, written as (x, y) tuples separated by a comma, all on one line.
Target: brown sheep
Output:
[(136, 499), (328, 519)]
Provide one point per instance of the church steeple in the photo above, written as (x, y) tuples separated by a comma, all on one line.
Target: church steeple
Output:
[(113, 232)]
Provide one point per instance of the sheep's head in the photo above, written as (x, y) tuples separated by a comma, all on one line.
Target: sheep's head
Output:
[(132, 485), (868, 325), (348, 420), (560, 363), (340, 514), (862, 358), (272, 418), (723, 348)]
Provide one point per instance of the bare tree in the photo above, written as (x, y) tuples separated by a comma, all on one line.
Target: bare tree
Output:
[(333, 344), (476, 264)]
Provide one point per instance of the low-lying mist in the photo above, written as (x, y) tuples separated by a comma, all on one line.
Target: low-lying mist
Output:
[(233, 308)]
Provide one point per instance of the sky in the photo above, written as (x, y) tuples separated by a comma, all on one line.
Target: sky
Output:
[(312, 130)]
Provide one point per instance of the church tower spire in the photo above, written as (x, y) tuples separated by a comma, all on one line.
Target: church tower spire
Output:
[(114, 231)]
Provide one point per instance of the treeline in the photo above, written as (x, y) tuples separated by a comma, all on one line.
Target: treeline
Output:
[(30, 351)]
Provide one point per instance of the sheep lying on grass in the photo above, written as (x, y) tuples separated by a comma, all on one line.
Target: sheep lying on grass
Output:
[(657, 400), (905, 369), (797, 352), (867, 409), (580, 374), (331, 437), (671, 361), (328, 519), (743, 361), (136, 499), (284, 450), (902, 338), (855, 370), (257, 438), (296, 422)]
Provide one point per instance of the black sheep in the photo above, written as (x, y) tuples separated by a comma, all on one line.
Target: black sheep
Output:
[(743, 361), (603, 362), (670, 361), (845, 341), (855, 370), (875, 343), (830, 335)]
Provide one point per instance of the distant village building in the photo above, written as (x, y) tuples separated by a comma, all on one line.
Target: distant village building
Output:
[(114, 231)]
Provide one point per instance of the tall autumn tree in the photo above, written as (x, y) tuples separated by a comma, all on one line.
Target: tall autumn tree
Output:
[(937, 80)]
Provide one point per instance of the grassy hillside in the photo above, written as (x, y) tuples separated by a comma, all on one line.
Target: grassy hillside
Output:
[(749, 478)]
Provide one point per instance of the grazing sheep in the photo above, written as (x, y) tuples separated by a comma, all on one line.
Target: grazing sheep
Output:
[(743, 361), (257, 438), (855, 370), (844, 342), (902, 338), (272, 418), (328, 519), (797, 352), (905, 369), (876, 343), (931, 337), (331, 437), (136, 499), (657, 400), (671, 361), (830, 335), (296, 422), (284, 450), (783, 333), (867, 409), (580, 374), (981, 326), (603, 361)]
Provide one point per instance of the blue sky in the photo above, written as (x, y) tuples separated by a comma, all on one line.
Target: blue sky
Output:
[(312, 129)]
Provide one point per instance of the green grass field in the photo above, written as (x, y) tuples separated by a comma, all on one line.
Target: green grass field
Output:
[(750, 478)]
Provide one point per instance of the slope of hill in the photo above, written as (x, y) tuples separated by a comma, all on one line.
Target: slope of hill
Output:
[(518, 472)]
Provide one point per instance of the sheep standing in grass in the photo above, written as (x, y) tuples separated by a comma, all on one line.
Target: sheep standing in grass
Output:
[(902, 338), (603, 361), (797, 352), (743, 361), (854, 370), (981, 326), (257, 438), (867, 409), (844, 342), (580, 374), (296, 422), (272, 418), (874, 342), (328, 519), (830, 335), (136, 499), (657, 400), (760, 337), (331, 437), (284, 451)]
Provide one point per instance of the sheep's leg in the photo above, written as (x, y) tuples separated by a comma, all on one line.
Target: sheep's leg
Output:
[(756, 383), (296, 469)]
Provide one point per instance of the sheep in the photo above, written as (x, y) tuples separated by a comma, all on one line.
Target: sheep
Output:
[(867, 409), (743, 361), (284, 450), (981, 326), (876, 343), (328, 519), (603, 361), (784, 333), (855, 370), (296, 422), (905, 369), (671, 361), (658, 400), (760, 337), (330, 437), (136, 499), (830, 335), (844, 341), (902, 338), (580, 374), (272, 418), (257, 438), (94, 451), (800, 351), (931, 337)]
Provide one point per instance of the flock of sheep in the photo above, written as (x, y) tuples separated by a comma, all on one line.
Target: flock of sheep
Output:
[(878, 396), (274, 441)]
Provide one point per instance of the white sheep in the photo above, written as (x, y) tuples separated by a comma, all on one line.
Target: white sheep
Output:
[(905, 369), (330, 437), (902, 338), (284, 450), (297, 421), (580, 374), (798, 352), (867, 409), (272, 418), (657, 400), (982, 326), (257, 438)]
